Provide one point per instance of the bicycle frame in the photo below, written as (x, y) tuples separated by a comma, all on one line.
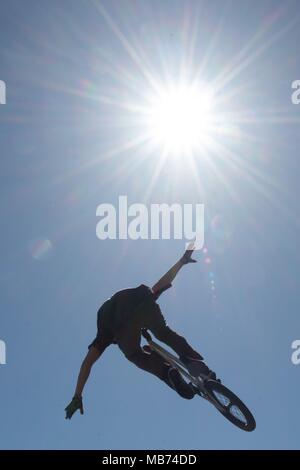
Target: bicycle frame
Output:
[(198, 382)]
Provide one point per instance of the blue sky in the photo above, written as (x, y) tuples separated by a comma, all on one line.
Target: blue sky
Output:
[(71, 68)]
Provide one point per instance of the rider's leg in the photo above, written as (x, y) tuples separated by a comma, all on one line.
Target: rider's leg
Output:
[(191, 358), (158, 326), (128, 340)]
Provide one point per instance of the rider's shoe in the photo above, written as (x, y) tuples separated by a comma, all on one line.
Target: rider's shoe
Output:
[(175, 381), (198, 367)]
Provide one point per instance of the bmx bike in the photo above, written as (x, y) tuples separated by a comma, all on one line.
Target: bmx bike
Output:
[(223, 399)]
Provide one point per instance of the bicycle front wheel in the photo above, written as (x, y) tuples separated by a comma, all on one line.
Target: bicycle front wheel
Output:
[(231, 407)]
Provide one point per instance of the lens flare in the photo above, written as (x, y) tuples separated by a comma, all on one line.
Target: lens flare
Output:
[(40, 248)]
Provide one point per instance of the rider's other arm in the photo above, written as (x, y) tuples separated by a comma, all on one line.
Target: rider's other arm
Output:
[(168, 278), (85, 369)]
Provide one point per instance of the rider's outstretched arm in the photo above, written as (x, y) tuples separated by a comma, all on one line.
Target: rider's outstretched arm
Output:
[(85, 369), (168, 278)]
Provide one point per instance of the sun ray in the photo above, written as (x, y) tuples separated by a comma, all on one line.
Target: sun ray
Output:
[(132, 52), (227, 75)]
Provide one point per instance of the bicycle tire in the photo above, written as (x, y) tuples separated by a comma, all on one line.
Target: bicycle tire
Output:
[(245, 421)]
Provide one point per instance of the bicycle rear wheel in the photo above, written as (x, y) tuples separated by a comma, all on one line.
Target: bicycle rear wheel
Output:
[(230, 406)]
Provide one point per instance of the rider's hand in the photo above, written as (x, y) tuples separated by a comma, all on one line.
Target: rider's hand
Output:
[(76, 404), (187, 257)]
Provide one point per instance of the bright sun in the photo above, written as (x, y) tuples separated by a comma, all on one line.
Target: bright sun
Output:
[(181, 118)]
